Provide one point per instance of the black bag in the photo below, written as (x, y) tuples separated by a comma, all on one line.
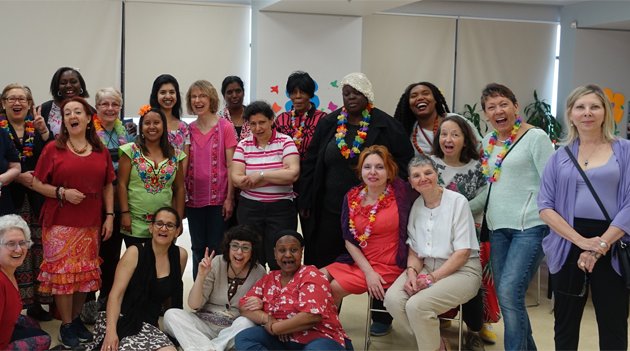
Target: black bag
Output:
[(621, 249)]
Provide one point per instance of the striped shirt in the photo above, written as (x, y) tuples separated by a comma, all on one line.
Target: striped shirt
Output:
[(268, 158)]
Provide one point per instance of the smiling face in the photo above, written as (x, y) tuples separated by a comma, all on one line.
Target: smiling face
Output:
[(164, 228), (17, 104), (234, 95), (423, 178), (75, 118), (451, 139), (373, 171), (288, 254), (587, 114), (167, 96), (422, 102), (501, 112), (69, 84), (12, 258), (301, 101), (108, 110), (240, 253), (199, 101), (353, 100), (261, 126), (152, 127)]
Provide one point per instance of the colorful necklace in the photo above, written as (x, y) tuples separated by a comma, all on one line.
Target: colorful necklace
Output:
[(29, 137), (298, 136), (105, 136), (81, 150), (356, 202), (485, 168), (342, 130), (414, 138)]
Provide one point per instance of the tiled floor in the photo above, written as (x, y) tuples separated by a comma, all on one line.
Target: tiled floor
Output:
[(353, 317)]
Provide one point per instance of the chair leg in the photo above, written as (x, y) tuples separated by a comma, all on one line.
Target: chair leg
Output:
[(461, 329), (368, 321)]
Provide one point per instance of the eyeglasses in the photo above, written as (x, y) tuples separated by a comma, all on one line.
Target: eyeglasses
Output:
[(161, 225), (582, 292), (244, 248), (14, 99), (200, 97), (12, 245), (108, 105)]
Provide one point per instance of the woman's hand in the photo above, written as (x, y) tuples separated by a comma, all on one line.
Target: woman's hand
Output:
[(25, 179), (205, 265), (38, 121), (587, 261), (108, 227), (422, 282), (73, 196), (125, 221), (110, 343), (593, 244), (253, 304), (411, 285), (228, 208), (375, 285)]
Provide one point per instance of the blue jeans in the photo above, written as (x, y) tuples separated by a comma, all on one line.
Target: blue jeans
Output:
[(206, 227), (515, 256), (257, 338)]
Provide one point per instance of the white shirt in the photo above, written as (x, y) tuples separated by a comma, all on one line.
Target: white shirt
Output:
[(440, 231)]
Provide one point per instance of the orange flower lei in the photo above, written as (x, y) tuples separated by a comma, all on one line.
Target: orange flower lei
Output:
[(355, 202)]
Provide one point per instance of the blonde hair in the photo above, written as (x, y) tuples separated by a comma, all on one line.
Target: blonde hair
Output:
[(108, 92), (208, 89), (608, 127)]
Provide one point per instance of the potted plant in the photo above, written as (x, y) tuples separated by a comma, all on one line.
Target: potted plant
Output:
[(539, 114), (471, 114)]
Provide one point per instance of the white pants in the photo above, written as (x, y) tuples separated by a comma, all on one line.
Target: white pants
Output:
[(195, 334)]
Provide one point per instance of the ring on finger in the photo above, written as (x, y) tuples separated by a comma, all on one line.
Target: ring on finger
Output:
[(582, 264)]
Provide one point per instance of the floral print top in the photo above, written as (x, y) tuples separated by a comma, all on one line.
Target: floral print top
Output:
[(179, 137), (245, 130), (308, 291)]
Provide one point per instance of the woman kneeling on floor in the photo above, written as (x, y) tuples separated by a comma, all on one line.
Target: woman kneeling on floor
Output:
[(443, 268)]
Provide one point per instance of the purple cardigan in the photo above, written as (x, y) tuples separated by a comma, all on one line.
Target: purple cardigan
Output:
[(558, 188), (404, 200)]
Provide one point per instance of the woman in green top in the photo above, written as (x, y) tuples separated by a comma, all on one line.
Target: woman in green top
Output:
[(150, 176)]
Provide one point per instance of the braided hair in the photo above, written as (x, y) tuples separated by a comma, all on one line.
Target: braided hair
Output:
[(405, 116)]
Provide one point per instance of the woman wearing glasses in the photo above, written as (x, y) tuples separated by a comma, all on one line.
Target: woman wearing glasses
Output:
[(150, 176), (221, 282), (148, 275), (582, 232), (17, 332)]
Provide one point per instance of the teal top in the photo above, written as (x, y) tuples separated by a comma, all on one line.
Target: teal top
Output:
[(512, 203), (149, 187)]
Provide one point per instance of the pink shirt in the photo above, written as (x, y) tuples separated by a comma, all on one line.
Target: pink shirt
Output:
[(207, 176), (257, 159)]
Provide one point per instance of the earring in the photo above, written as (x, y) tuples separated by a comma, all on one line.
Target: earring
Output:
[(81, 91), (59, 93)]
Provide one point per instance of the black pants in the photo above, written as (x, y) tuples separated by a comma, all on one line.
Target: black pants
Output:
[(131, 240), (267, 218), (473, 312), (326, 242), (610, 296), (206, 228)]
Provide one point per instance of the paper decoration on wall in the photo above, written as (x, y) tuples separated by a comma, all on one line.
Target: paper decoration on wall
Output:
[(276, 108), (332, 106), (617, 102), (315, 99), (334, 84), (274, 89)]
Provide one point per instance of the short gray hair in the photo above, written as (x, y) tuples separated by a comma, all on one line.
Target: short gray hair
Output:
[(13, 221), (421, 160), (108, 92)]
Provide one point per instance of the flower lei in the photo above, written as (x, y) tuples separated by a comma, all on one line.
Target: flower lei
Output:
[(485, 168), (29, 132), (102, 134), (342, 130), (299, 131), (354, 204)]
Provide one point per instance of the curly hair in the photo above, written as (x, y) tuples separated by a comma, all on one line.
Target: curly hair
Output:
[(242, 232), (405, 116), (469, 152)]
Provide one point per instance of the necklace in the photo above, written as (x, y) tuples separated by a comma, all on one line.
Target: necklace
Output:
[(414, 138), (78, 151), (27, 138), (107, 137), (591, 154), (354, 204), (342, 130), (298, 136), (485, 168)]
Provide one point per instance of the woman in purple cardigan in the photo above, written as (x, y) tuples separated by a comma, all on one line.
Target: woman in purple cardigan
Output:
[(578, 247), (374, 225)]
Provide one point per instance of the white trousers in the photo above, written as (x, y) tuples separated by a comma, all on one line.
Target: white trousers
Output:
[(194, 334)]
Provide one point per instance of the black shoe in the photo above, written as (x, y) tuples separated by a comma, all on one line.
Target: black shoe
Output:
[(380, 329), (68, 336), (37, 312), (81, 331)]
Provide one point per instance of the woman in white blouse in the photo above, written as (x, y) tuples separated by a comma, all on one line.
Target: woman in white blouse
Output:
[(443, 268)]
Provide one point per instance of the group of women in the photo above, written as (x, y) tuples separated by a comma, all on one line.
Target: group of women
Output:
[(405, 227)]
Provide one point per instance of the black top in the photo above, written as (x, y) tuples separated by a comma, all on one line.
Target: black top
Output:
[(8, 154)]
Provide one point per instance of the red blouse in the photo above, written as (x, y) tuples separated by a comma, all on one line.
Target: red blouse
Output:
[(10, 308), (309, 292), (89, 174)]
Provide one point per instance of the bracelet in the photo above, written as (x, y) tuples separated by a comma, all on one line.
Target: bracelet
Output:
[(262, 174), (415, 270), (110, 214), (271, 329), (123, 212), (432, 277)]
